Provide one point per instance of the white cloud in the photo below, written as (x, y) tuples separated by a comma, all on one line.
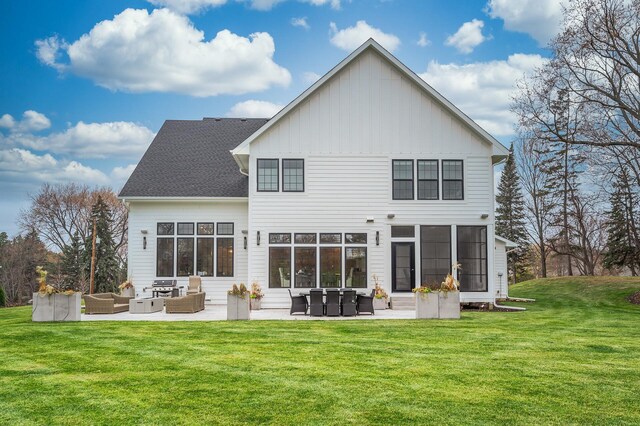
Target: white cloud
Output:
[(300, 22), (468, 36), (483, 90), (121, 174), (7, 121), (188, 7), (541, 19), (163, 52), (32, 121), (310, 77), (254, 109), (21, 165), (423, 41), (335, 4), (351, 38), (48, 51)]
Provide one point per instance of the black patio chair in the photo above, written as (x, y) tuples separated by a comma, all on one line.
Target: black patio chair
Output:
[(299, 304), (332, 307), (349, 303), (365, 303), (316, 304)]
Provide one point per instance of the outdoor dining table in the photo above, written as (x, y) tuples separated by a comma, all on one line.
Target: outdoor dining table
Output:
[(324, 291)]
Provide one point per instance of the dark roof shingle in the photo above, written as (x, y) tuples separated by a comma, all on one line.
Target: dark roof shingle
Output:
[(190, 158)]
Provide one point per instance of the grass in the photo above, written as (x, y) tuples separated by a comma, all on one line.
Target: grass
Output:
[(572, 358)]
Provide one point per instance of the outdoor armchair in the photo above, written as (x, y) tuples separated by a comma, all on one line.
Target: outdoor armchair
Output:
[(195, 284), (189, 304), (333, 302), (365, 303), (105, 303), (316, 304), (349, 303), (298, 304)]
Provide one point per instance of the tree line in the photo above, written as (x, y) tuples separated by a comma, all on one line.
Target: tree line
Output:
[(568, 195), (57, 234)]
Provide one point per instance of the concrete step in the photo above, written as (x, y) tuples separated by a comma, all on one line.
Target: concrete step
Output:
[(403, 303)]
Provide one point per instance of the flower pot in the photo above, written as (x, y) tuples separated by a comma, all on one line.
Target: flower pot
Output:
[(237, 307), (449, 304), (128, 292), (56, 307), (380, 304), (255, 304), (426, 305)]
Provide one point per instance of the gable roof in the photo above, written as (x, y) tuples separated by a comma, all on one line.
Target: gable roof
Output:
[(507, 243), (190, 158), (499, 151)]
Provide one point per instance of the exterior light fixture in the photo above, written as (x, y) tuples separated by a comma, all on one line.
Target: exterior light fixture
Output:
[(144, 238), (484, 215), (391, 215), (258, 238), (370, 220), (377, 238), (245, 242)]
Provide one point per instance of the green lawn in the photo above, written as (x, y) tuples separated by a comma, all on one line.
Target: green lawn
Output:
[(572, 358)]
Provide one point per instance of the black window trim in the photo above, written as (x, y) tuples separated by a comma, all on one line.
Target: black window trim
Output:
[(277, 160), (185, 223), (366, 264), (233, 229), (295, 234), (205, 223), (320, 242), (233, 257), (281, 246), (293, 159), (486, 255), (193, 257), (450, 247), (166, 223), (453, 180), (393, 179), (173, 256), (428, 180)]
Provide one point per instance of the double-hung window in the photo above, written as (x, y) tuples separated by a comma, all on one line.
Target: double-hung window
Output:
[(452, 180), (268, 175), (403, 179), (427, 179), (292, 175)]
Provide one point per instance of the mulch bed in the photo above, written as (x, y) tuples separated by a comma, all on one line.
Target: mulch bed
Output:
[(635, 298)]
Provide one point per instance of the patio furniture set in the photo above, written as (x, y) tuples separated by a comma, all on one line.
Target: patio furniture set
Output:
[(110, 303), (332, 302)]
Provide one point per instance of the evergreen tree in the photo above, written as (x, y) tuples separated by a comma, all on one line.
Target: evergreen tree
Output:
[(106, 264), (621, 250), (510, 214), (71, 267)]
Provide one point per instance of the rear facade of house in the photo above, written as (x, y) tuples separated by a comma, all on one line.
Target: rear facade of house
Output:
[(368, 176)]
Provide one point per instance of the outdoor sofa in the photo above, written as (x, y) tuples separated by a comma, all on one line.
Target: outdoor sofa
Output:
[(189, 304), (105, 303)]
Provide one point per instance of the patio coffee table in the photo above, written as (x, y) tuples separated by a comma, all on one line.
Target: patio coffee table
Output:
[(146, 306)]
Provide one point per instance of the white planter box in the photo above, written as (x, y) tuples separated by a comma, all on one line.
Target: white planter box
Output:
[(256, 304), (449, 304), (426, 305), (56, 307), (237, 307), (380, 304), (128, 292)]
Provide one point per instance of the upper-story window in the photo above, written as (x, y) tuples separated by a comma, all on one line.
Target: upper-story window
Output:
[(452, 180), (403, 179), (427, 179), (268, 175), (292, 175)]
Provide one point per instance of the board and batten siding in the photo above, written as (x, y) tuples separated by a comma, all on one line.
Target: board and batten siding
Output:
[(348, 132), (144, 215)]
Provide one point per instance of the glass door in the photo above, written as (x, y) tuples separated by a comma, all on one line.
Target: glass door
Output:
[(403, 268)]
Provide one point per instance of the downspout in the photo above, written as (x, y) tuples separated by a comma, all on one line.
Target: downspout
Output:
[(509, 308)]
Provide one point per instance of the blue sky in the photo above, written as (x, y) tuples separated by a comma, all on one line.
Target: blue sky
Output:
[(86, 84)]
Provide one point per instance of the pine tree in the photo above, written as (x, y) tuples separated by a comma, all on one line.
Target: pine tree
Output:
[(620, 251), (106, 266), (71, 267), (510, 214)]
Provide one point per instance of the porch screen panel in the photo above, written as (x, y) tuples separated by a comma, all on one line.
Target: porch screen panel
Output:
[(472, 256), (305, 267), (279, 267), (164, 257), (355, 267), (204, 263), (331, 267), (185, 257), (435, 253)]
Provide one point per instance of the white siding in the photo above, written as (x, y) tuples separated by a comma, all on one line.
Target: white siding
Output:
[(502, 282), (348, 132), (145, 215)]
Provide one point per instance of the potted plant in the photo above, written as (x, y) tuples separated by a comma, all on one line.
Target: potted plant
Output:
[(449, 296), (426, 302), (53, 304), (380, 297), (256, 296), (127, 289), (238, 302)]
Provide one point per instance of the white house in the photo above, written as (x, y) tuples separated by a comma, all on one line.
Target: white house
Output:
[(370, 171)]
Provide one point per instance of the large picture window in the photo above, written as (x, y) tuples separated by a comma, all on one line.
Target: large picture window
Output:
[(403, 179), (355, 267), (427, 179), (472, 257), (164, 266), (268, 175), (279, 267), (292, 175), (185, 257), (331, 267), (452, 180), (435, 254), (204, 262), (305, 267), (225, 257)]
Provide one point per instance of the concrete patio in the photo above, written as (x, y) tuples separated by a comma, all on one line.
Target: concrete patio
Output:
[(219, 313)]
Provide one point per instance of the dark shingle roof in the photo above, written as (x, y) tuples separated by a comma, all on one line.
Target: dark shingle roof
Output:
[(190, 158)]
